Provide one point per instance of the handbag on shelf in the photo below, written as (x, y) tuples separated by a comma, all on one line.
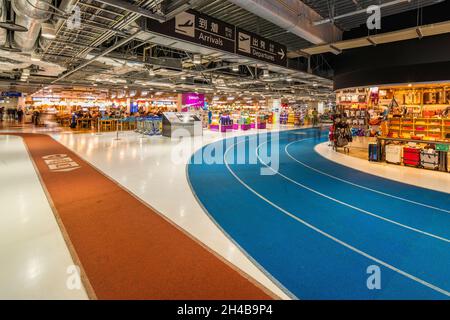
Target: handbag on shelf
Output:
[(374, 122)]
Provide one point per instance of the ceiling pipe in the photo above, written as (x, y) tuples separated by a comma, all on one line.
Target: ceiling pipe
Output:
[(65, 6), (104, 53), (360, 11), (30, 14), (293, 16), (123, 5), (3, 32)]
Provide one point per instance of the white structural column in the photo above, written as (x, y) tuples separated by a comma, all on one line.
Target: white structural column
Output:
[(34, 258), (293, 16)]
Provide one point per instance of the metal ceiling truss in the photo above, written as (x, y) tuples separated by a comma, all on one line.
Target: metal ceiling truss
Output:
[(109, 31)]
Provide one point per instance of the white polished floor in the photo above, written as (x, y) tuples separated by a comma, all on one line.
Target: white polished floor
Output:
[(145, 167), (429, 179), (33, 255)]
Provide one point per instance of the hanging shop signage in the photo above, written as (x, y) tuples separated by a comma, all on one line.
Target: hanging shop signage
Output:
[(204, 30), (134, 107), (256, 47), (11, 94), (193, 100), (199, 28), (442, 147)]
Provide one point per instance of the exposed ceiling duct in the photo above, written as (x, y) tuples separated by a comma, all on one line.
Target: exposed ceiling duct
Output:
[(29, 14), (2, 18), (65, 6), (293, 16)]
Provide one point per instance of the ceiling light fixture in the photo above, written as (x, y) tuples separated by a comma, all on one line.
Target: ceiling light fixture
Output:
[(197, 58), (35, 56), (235, 68), (265, 73), (48, 31)]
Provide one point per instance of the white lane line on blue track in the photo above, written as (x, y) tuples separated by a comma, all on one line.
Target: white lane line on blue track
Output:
[(347, 204), (327, 235), (358, 185)]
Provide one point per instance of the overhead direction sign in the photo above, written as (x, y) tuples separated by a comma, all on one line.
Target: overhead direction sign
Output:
[(257, 47), (204, 30), (198, 28)]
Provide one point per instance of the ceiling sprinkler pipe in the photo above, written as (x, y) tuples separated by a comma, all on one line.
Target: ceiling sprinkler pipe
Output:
[(30, 14)]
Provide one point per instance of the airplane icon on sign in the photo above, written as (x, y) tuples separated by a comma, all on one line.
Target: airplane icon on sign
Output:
[(187, 24), (242, 38), (184, 24)]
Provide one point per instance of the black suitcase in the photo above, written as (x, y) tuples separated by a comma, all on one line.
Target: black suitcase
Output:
[(374, 152)]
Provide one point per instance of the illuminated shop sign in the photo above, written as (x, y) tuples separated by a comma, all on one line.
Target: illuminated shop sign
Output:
[(193, 100), (11, 94)]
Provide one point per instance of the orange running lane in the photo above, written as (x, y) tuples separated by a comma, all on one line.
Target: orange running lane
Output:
[(127, 250)]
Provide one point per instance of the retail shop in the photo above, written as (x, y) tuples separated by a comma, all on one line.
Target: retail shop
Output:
[(105, 110), (409, 124)]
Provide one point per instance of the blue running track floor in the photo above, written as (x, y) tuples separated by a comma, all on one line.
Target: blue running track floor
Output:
[(315, 226)]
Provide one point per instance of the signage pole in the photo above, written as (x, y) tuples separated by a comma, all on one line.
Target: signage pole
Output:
[(98, 127), (117, 130)]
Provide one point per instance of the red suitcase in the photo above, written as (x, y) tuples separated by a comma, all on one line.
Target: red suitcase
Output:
[(411, 157)]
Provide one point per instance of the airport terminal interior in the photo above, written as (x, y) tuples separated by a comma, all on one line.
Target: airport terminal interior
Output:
[(224, 149)]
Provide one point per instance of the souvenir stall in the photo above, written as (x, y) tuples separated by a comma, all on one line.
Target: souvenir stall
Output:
[(411, 123)]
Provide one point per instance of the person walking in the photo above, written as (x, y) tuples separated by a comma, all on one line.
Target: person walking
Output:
[(20, 115), (315, 115)]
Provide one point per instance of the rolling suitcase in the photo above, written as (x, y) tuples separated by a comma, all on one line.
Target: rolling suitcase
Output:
[(394, 153), (429, 159), (374, 153), (443, 161), (411, 157)]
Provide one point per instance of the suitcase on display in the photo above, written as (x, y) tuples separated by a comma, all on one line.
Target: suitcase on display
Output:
[(443, 161), (374, 153), (411, 157), (394, 153), (429, 159)]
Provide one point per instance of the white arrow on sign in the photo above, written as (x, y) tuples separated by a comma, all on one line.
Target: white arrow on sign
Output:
[(282, 54)]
